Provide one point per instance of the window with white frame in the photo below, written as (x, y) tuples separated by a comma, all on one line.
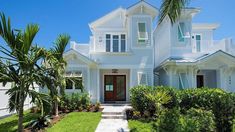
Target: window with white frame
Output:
[(142, 32), (108, 42), (182, 32), (142, 78), (115, 43), (74, 80), (123, 42)]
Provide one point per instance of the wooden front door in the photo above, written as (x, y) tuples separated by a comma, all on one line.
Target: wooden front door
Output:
[(114, 87)]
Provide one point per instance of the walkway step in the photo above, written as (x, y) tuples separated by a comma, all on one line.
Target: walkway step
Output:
[(113, 117), (115, 104), (112, 113)]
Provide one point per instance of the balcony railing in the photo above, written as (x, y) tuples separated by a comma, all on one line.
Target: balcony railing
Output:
[(209, 46)]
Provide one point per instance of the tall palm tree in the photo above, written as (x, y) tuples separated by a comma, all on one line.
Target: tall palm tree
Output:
[(18, 65), (172, 9), (56, 81)]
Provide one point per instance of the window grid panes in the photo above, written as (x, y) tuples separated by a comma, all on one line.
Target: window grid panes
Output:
[(115, 43), (108, 42), (198, 43), (142, 33), (123, 43)]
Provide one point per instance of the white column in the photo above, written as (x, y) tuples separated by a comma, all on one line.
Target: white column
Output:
[(98, 84)]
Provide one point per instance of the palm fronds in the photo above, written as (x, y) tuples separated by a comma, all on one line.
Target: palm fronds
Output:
[(172, 9)]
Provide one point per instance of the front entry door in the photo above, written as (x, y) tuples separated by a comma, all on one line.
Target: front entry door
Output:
[(200, 81), (115, 87)]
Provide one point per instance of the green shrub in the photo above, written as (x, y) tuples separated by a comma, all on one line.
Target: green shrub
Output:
[(159, 98), (220, 102), (139, 100), (197, 120), (168, 121), (170, 92), (75, 101)]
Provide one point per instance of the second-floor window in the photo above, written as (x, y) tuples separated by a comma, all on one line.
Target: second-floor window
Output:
[(142, 33), (115, 43), (181, 32)]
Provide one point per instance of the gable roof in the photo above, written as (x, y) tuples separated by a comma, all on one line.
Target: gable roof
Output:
[(106, 17), (83, 58), (152, 10)]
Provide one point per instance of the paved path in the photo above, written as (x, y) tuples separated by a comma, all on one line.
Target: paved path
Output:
[(113, 119)]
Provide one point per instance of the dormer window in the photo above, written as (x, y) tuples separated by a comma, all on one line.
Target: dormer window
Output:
[(115, 43), (142, 32)]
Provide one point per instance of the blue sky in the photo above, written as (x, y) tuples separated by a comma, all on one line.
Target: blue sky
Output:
[(72, 16)]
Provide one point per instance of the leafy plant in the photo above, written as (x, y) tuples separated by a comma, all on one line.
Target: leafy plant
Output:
[(168, 120), (40, 123), (76, 101), (140, 101), (197, 120), (97, 106), (159, 98)]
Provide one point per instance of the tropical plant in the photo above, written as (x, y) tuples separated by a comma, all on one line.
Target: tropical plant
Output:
[(56, 80), (140, 101), (172, 9), (19, 65), (39, 123), (159, 98)]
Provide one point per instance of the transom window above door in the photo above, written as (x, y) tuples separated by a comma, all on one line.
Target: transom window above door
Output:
[(115, 42)]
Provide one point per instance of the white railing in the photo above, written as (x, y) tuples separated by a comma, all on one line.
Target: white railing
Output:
[(210, 46), (81, 48)]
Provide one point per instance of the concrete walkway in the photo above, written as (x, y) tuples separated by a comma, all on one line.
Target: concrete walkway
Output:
[(113, 118)]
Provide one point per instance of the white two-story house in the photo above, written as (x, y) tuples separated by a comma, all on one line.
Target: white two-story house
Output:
[(120, 54), (126, 50)]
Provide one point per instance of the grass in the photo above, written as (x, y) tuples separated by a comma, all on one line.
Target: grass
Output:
[(77, 121), (140, 126), (9, 124)]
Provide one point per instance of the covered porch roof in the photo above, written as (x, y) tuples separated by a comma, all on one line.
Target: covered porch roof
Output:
[(218, 58)]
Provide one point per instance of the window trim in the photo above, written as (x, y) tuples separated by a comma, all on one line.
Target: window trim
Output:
[(179, 29), (200, 46), (119, 42), (139, 77), (146, 32)]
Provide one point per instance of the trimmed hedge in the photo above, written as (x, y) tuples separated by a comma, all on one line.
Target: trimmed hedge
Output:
[(217, 101), (221, 103)]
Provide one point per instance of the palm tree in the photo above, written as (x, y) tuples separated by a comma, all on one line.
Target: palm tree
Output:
[(172, 9), (19, 65), (56, 81)]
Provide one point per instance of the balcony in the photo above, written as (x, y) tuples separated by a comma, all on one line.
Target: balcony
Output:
[(210, 46)]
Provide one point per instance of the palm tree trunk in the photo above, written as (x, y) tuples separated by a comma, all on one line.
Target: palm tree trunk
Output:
[(21, 114), (56, 111)]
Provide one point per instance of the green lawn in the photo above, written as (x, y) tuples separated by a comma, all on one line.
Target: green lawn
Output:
[(77, 121), (9, 124), (140, 126)]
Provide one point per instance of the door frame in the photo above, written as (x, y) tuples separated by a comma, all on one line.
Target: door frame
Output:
[(194, 42), (115, 74)]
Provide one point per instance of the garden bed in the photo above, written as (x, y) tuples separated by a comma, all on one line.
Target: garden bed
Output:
[(169, 109)]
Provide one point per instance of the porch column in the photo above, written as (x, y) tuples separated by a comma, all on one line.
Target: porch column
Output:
[(221, 78), (98, 85), (193, 73)]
